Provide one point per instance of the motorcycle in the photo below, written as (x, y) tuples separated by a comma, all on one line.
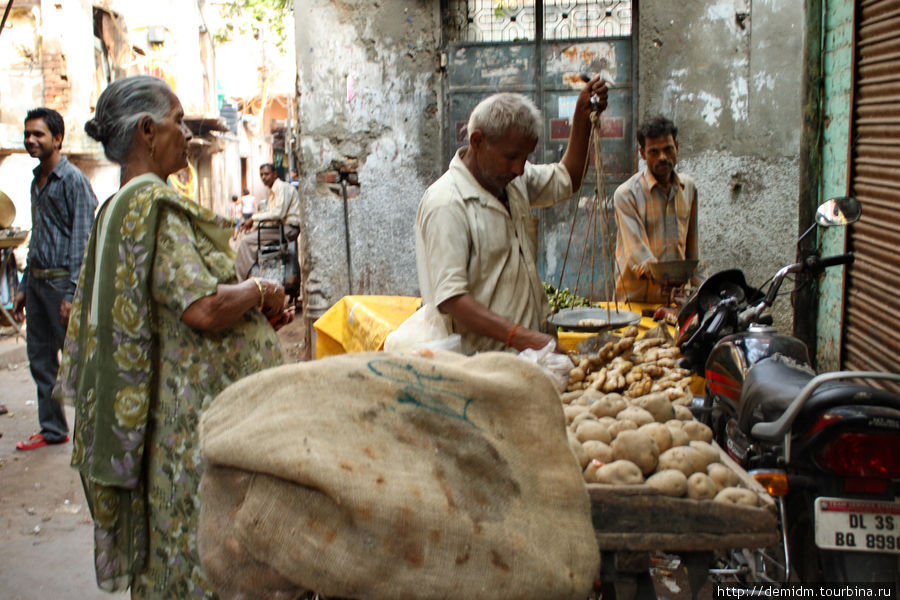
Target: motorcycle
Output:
[(824, 446)]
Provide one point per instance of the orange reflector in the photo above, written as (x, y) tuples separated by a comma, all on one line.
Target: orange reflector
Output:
[(775, 482)]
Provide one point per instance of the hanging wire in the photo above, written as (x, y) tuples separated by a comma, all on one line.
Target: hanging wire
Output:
[(598, 230)]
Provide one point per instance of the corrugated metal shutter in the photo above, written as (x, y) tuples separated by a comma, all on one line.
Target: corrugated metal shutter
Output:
[(872, 341)]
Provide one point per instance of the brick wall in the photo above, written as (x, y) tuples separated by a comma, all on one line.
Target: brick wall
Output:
[(57, 87)]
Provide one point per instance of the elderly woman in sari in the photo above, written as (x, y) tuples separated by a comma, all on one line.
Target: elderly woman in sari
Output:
[(159, 327)]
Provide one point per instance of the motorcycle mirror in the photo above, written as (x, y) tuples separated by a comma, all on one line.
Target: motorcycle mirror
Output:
[(836, 212), (839, 211)]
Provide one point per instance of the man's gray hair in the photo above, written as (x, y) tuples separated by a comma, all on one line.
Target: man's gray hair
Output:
[(121, 106), (496, 114)]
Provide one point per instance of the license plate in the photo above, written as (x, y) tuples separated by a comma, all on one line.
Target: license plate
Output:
[(858, 525)]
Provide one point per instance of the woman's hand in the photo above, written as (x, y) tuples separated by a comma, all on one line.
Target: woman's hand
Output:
[(273, 297), (230, 302)]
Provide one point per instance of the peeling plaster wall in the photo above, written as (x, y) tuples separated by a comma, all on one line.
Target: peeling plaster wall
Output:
[(838, 92), (367, 85), (728, 73)]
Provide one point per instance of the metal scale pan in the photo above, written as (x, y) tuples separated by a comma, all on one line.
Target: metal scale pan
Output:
[(569, 319)]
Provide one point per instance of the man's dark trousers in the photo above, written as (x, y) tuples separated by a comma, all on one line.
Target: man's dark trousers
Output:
[(44, 338)]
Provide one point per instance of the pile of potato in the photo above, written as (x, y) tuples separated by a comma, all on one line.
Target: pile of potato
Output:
[(629, 423)]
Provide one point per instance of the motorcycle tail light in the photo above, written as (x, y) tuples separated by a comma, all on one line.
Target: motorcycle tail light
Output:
[(865, 486), (865, 455), (775, 482)]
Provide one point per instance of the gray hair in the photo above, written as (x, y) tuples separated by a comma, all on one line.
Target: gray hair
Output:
[(121, 105), (496, 114)]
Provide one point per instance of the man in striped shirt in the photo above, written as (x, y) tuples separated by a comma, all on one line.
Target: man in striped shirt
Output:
[(62, 212), (656, 215)]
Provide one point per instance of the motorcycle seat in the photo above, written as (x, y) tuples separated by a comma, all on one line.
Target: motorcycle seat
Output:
[(769, 388), (772, 384)]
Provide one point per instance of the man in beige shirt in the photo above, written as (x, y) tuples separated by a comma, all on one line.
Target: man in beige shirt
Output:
[(475, 259), (283, 206)]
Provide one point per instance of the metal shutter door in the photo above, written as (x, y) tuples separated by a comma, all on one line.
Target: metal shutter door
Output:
[(871, 340)]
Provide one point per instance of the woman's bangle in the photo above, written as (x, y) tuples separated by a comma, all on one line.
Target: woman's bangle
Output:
[(511, 333), (262, 296)]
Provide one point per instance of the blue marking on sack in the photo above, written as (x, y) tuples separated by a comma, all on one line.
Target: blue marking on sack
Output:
[(419, 390)]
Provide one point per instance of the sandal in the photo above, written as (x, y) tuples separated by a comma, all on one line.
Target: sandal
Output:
[(37, 441)]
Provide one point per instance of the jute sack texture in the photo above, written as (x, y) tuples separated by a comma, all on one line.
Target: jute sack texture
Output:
[(388, 477)]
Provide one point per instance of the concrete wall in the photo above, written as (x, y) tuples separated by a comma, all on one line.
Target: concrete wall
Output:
[(367, 83), (728, 73)]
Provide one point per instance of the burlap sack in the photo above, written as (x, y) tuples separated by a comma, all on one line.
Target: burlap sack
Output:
[(388, 477)]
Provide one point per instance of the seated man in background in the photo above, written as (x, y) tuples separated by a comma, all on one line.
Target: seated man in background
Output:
[(474, 255), (283, 205), (656, 215)]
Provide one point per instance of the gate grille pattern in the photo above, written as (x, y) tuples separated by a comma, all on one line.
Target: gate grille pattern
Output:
[(514, 20)]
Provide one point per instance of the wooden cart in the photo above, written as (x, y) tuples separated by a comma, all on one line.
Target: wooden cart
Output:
[(631, 522)]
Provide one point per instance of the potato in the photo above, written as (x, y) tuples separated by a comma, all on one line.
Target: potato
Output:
[(619, 472), (608, 405), (681, 399), (577, 450), (736, 495), (722, 475), (607, 422), (670, 482), (698, 431), (639, 448), (660, 433), (572, 410), (679, 437), (701, 487), (581, 401), (597, 450), (683, 413), (585, 416), (707, 451), (657, 405), (569, 397), (620, 426), (683, 458), (636, 415), (590, 471), (592, 430)]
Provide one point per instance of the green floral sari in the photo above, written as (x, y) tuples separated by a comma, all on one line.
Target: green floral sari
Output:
[(140, 378)]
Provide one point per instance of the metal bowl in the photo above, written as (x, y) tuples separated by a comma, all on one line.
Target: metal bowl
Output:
[(604, 319), (673, 272)]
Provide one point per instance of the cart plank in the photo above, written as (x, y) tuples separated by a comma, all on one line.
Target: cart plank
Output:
[(646, 521)]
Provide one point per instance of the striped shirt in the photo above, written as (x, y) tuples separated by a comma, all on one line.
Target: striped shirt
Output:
[(62, 213), (652, 225)]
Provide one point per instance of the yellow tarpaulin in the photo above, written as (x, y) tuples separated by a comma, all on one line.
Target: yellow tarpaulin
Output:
[(360, 323)]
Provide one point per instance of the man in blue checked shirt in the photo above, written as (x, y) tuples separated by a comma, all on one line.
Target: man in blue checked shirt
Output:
[(62, 212)]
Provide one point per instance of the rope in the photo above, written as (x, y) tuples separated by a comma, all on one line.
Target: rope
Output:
[(598, 229)]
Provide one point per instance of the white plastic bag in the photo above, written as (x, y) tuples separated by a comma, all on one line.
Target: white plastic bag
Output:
[(556, 366), (425, 328)]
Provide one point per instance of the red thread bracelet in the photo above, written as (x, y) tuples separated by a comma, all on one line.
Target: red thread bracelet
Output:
[(511, 332)]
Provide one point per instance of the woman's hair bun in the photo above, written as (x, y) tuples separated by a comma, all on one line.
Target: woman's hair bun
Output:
[(94, 129)]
